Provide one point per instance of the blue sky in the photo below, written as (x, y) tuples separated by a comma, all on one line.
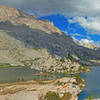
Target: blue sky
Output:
[(74, 29)]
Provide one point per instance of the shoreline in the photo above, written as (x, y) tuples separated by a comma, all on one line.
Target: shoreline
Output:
[(37, 86), (77, 87)]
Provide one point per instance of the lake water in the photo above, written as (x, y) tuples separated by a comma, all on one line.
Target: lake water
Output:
[(92, 83), (14, 74), (92, 78)]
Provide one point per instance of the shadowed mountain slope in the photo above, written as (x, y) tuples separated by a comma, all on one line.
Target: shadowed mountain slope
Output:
[(25, 33)]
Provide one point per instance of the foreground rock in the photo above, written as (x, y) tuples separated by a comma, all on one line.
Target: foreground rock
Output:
[(34, 90)]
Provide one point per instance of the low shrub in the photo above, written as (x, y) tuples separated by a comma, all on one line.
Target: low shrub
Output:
[(52, 96)]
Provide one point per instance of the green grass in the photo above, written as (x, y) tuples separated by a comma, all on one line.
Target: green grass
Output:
[(91, 97), (79, 79), (27, 63), (37, 49), (52, 96), (36, 59), (60, 83), (5, 65), (71, 58)]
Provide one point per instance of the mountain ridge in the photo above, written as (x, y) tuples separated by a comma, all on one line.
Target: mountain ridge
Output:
[(31, 35)]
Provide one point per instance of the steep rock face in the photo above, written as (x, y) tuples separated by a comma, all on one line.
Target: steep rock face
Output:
[(24, 37), (18, 17), (6, 13)]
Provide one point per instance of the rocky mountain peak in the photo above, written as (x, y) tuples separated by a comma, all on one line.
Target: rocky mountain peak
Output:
[(8, 12), (18, 17), (11, 14)]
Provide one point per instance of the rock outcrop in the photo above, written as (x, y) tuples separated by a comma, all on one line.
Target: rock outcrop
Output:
[(36, 91)]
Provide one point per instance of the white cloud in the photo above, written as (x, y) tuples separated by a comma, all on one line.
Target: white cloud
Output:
[(77, 34), (65, 31), (92, 24), (80, 35), (86, 41), (71, 21)]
